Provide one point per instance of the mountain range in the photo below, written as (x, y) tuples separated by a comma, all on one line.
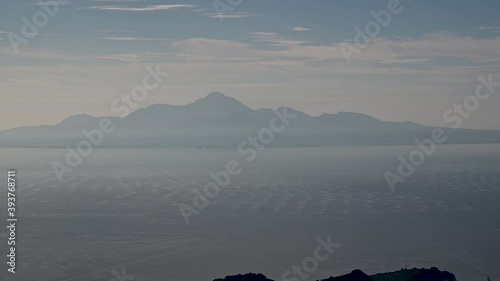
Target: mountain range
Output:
[(221, 121)]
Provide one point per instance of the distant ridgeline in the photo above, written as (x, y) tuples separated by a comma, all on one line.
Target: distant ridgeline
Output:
[(415, 274), (219, 121)]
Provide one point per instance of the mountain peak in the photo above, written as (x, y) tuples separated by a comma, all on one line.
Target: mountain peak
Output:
[(77, 121), (218, 98), (216, 104), (78, 118), (216, 95), (343, 116)]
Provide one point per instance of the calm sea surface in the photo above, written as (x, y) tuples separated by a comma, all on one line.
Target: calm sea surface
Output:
[(119, 210)]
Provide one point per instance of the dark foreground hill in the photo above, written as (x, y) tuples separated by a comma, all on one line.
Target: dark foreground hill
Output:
[(414, 274), (245, 277)]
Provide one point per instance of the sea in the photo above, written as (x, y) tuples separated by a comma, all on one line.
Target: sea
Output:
[(118, 215)]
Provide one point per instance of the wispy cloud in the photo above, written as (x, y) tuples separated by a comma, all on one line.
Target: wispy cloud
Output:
[(435, 45), (221, 50), (135, 57), (122, 57), (232, 15), (150, 8), (45, 3), (213, 47), (299, 29), (275, 39), (43, 54), (399, 55), (136, 39), (494, 29), (114, 31)]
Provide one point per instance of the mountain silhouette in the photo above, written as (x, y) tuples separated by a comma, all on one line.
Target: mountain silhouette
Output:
[(415, 274), (245, 277), (355, 275), (221, 121)]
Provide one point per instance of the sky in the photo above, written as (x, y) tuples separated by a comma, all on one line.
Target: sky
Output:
[(426, 58)]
